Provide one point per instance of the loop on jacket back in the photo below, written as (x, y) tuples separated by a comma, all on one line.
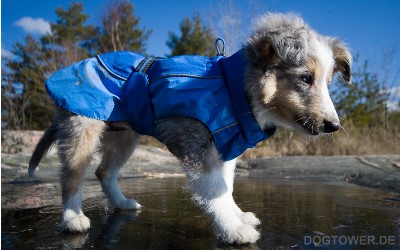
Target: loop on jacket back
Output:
[(219, 39)]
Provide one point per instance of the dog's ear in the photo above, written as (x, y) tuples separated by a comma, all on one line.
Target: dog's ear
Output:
[(342, 58), (279, 37), (278, 48), (261, 51)]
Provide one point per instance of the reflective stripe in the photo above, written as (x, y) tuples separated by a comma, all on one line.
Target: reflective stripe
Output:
[(109, 70), (226, 127)]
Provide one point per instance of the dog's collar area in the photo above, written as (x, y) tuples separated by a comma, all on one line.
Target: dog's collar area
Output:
[(269, 131), (234, 70)]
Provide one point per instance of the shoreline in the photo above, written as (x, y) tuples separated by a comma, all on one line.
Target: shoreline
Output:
[(375, 171)]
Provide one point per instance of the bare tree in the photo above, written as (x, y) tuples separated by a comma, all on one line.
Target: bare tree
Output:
[(227, 20), (389, 73)]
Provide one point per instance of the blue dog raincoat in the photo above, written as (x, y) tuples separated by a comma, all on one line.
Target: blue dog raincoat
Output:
[(124, 86)]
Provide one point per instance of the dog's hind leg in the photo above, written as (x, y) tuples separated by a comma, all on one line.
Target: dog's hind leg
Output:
[(116, 148), (77, 138)]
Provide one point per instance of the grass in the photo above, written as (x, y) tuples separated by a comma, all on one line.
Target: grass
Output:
[(348, 141)]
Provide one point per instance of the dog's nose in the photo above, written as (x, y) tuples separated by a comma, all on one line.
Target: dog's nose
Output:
[(330, 127)]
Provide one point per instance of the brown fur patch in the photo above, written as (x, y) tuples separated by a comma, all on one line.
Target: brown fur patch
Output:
[(342, 59)]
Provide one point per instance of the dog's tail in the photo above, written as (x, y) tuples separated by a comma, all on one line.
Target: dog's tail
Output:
[(41, 149)]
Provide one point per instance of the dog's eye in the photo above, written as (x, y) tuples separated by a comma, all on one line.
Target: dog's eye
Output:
[(306, 78)]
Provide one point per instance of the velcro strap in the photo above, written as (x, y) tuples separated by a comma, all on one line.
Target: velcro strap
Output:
[(145, 64)]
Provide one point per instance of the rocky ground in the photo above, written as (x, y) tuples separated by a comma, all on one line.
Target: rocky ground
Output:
[(18, 191)]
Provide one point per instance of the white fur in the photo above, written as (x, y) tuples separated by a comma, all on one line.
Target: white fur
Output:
[(213, 190), (111, 189), (229, 226), (325, 58), (73, 217), (329, 109), (229, 173), (229, 176)]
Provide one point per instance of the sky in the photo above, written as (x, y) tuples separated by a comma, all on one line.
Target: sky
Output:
[(370, 28)]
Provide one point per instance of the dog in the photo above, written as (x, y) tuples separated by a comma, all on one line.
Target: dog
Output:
[(279, 78)]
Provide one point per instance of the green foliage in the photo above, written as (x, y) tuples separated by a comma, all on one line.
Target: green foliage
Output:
[(120, 30), (194, 39), (24, 98), (70, 25), (71, 39), (363, 103)]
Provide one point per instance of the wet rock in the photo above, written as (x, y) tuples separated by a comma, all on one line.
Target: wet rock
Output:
[(371, 171), (240, 164), (15, 141)]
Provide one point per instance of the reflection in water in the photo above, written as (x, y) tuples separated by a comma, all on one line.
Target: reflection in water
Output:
[(289, 211), (73, 241), (111, 228)]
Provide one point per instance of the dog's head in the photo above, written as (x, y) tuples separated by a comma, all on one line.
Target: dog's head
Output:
[(289, 70)]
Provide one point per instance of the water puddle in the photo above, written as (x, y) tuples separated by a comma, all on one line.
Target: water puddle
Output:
[(294, 214)]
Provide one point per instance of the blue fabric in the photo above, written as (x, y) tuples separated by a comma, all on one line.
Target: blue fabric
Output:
[(94, 87), (211, 90)]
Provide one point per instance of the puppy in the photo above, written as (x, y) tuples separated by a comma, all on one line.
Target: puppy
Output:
[(207, 111)]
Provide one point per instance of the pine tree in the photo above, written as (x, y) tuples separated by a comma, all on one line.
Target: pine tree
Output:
[(119, 30), (70, 24), (25, 102), (71, 40), (195, 38)]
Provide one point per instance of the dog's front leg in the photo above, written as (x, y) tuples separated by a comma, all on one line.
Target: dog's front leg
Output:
[(210, 179), (229, 176), (212, 190)]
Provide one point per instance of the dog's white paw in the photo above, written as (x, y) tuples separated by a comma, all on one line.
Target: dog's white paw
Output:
[(241, 235), (129, 204), (75, 222), (250, 219)]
